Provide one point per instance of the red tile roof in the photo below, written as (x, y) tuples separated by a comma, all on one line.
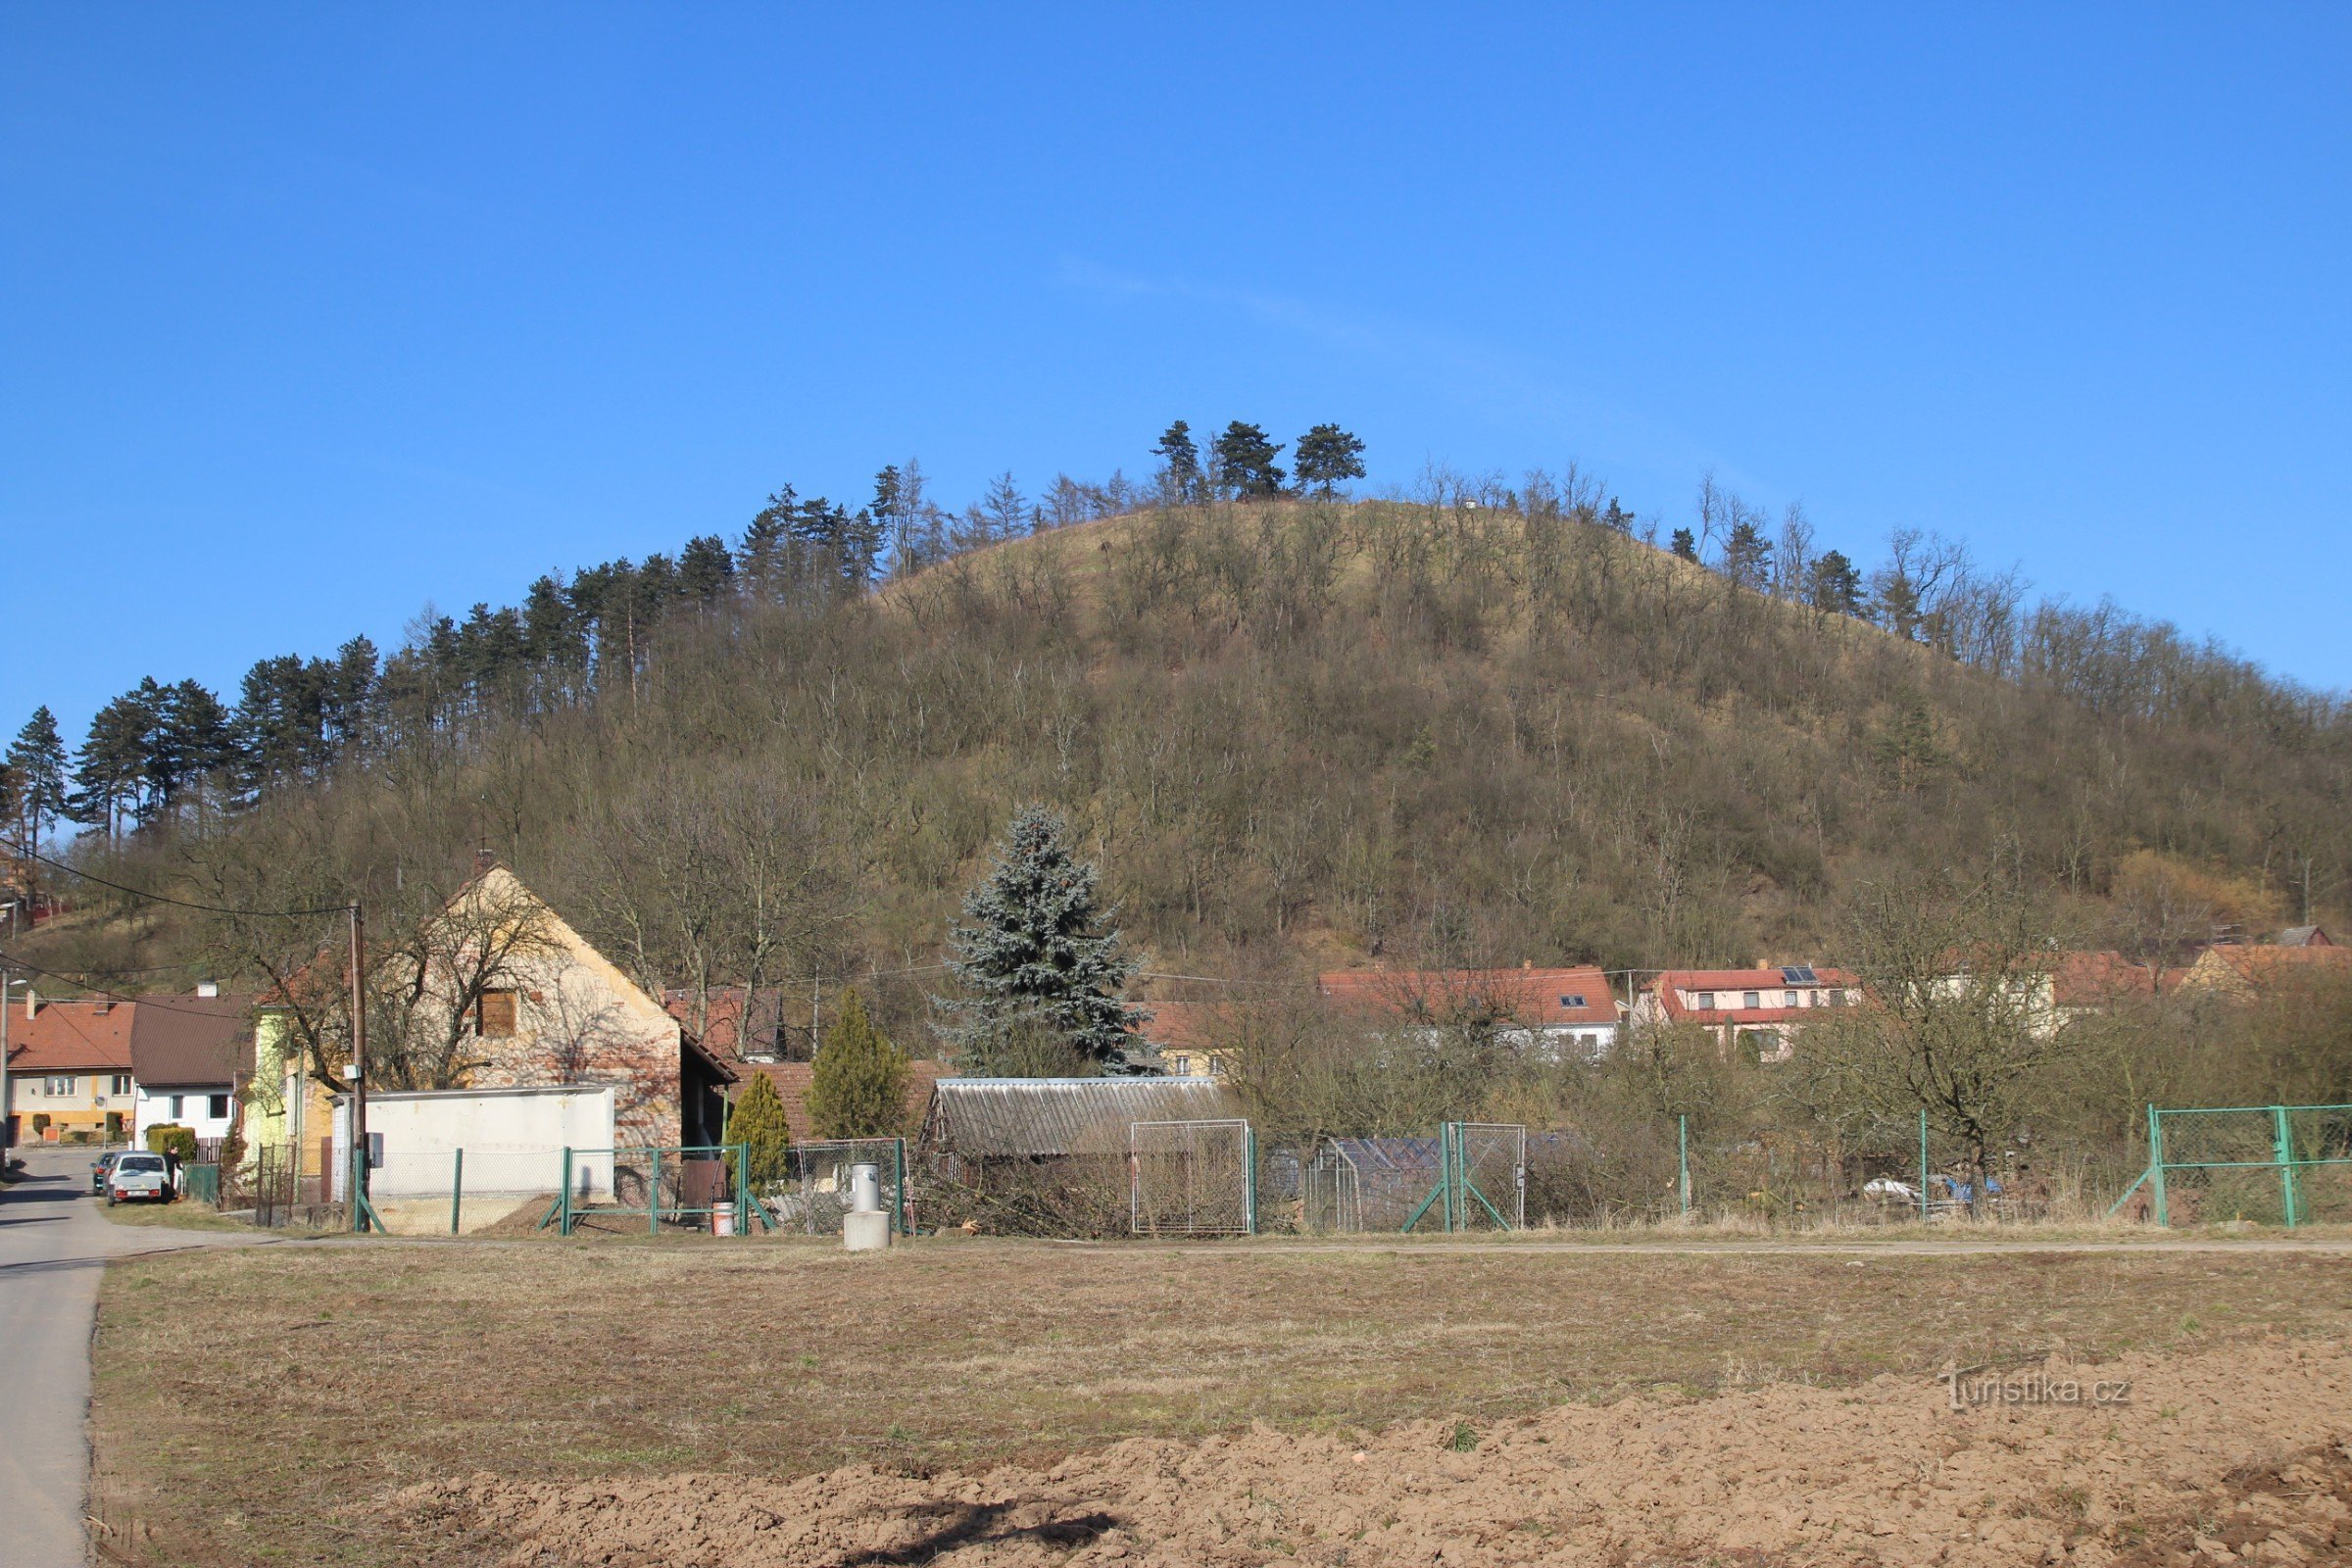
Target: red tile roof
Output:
[(1536, 998), (793, 1078), (92, 1035), (2095, 979)]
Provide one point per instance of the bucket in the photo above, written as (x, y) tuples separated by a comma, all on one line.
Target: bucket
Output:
[(722, 1218)]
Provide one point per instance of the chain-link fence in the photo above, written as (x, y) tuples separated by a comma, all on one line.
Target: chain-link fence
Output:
[(1471, 1176), (2268, 1164), (814, 1192), (1192, 1178), (701, 1189)]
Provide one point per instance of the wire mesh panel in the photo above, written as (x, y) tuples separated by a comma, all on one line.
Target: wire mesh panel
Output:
[(1489, 1176), (1192, 1178), (2319, 1140), (814, 1193), (1358, 1185), (2222, 1164)]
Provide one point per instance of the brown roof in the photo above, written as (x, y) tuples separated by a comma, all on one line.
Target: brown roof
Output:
[(792, 1080), (81, 1035), (1533, 997), (191, 1040)]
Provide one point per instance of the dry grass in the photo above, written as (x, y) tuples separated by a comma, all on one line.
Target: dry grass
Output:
[(251, 1405)]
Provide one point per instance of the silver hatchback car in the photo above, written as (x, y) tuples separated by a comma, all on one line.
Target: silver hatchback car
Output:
[(138, 1177)]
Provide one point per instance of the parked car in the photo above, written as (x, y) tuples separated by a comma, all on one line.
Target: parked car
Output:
[(137, 1177), (98, 1171)]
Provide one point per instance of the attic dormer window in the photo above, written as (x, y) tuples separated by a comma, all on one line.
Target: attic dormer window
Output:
[(1791, 998), (1752, 1001), (1706, 1001)]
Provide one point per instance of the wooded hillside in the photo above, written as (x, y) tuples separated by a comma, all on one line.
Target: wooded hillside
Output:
[(1294, 733)]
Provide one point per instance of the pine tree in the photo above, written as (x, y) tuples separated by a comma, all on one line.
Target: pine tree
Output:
[(1837, 587), (37, 759), (1244, 463), (1748, 554), (756, 1121), (1044, 972), (1617, 520), (1327, 455), (1685, 544), (857, 1086), (1180, 464)]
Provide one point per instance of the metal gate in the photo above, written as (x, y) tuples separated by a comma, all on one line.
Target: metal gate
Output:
[(2273, 1164), (1192, 1178)]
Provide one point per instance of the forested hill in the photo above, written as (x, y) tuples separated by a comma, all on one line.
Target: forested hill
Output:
[(1294, 733)]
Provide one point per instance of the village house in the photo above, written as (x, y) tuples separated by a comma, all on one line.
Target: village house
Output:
[(1760, 1010), (2242, 971), (1191, 1039), (549, 1010), (1553, 1013), (69, 1070), (188, 1058)]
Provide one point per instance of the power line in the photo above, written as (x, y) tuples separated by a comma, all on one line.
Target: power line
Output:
[(165, 897), (10, 961)]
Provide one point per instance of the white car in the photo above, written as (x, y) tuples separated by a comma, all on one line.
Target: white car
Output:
[(138, 1177)]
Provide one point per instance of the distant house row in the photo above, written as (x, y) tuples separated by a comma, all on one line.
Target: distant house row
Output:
[(1575, 1013), (559, 1016)]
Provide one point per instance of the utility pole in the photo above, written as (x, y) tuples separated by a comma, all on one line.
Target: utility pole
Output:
[(358, 1067), (8, 1085)]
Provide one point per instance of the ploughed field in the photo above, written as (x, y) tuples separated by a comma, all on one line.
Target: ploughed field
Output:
[(685, 1403)]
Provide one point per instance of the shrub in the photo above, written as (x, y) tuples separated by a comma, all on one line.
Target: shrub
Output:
[(858, 1088), (41, 1121), (757, 1120), (114, 1126), (170, 1138)]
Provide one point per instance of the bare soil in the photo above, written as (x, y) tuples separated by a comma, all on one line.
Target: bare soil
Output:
[(1886, 1473), (654, 1401)]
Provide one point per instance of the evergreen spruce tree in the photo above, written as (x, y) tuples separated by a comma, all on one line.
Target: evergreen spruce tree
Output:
[(857, 1086), (37, 759), (1685, 544), (757, 1120), (1044, 970)]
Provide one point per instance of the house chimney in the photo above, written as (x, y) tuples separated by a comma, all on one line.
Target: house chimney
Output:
[(207, 988), (484, 860)]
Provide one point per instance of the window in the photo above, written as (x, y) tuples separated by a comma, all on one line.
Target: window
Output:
[(1791, 998), (1750, 1000), (122, 1084), (1575, 1001), (1706, 1001), (216, 1107), (493, 1016), (177, 1101), (60, 1087)]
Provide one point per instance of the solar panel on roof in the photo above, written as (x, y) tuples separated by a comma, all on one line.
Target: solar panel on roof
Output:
[(1799, 975)]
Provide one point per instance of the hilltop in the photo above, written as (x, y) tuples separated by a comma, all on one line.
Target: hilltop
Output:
[(1307, 734)]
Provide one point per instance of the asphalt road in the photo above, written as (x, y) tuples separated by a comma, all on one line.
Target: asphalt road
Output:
[(54, 1242)]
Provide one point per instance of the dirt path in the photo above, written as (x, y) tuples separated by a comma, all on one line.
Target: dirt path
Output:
[(2248, 1447)]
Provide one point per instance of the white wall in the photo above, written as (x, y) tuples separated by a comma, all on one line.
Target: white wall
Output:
[(153, 1108), (514, 1139)]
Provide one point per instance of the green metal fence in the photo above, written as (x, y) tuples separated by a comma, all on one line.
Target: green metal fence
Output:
[(2271, 1164), (1481, 1178), (663, 1180)]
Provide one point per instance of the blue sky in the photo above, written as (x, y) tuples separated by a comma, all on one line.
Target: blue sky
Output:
[(314, 314)]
